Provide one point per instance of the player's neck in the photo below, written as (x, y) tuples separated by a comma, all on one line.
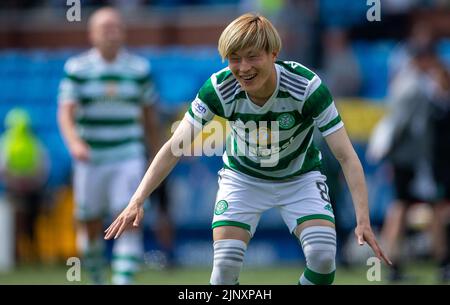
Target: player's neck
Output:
[(109, 55), (258, 99), (263, 95)]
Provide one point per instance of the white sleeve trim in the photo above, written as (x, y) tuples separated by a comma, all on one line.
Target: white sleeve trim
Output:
[(333, 129), (326, 116), (193, 121)]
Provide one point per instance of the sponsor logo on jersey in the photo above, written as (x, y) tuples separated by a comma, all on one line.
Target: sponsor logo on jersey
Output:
[(198, 108)]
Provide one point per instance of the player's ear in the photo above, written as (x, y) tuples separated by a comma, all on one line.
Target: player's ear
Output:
[(274, 56)]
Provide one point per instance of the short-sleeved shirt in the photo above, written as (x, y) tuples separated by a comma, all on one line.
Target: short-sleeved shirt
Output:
[(299, 102), (110, 97)]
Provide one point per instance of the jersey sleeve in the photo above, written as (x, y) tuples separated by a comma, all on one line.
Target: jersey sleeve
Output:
[(68, 88), (320, 106), (205, 106)]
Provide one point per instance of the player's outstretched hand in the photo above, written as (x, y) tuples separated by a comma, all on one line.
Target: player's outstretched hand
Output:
[(364, 234), (130, 216)]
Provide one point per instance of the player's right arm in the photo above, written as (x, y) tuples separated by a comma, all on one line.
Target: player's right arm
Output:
[(200, 112), (68, 98), (66, 121), (163, 163)]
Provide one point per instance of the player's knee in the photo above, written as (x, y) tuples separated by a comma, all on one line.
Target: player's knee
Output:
[(319, 247), (323, 260), (228, 260)]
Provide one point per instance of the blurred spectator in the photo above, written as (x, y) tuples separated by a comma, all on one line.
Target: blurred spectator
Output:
[(106, 112), (440, 119), (421, 35), (398, 6), (405, 136), (340, 67), (24, 170)]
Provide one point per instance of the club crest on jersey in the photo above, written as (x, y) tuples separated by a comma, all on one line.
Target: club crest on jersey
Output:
[(286, 120), (221, 207)]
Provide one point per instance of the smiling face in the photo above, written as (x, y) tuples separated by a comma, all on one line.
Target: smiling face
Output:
[(251, 45), (255, 71)]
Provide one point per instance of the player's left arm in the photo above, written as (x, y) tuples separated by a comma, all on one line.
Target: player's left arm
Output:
[(342, 149)]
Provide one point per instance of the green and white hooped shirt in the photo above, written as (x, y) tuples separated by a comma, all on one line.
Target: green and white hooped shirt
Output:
[(273, 141), (110, 97)]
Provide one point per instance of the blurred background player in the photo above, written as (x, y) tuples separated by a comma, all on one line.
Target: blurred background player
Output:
[(409, 151), (164, 226), (24, 169), (105, 107)]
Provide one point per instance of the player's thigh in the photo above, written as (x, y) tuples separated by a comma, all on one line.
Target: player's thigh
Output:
[(231, 232), (90, 189), (312, 223), (305, 202), (124, 181)]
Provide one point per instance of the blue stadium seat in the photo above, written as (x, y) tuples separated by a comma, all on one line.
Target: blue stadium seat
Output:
[(373, 58)]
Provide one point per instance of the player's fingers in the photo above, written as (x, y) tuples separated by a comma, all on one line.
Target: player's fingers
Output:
[(381, 254), (372, 243), (108, 230), (111, 231), (385, 258), (111, 226), (360, 239), (138, 218), (122, 227), (108, 234), (377, 250)]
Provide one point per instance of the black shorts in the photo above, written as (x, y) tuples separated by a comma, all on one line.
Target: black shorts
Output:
[(403, 177), (160, 196), (441, 172)]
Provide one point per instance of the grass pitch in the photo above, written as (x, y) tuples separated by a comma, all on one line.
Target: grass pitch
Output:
[(423, 273)]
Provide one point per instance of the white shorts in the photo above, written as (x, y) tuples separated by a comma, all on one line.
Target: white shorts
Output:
[(105, 189), (241, 199)]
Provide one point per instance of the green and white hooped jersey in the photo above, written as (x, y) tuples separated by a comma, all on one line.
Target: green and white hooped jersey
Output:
[(273, 141), (110, 97)]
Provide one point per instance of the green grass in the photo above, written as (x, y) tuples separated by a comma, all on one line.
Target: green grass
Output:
[(421, 273)]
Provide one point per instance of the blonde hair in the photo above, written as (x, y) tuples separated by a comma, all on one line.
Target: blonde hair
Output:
[(249, 30)]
